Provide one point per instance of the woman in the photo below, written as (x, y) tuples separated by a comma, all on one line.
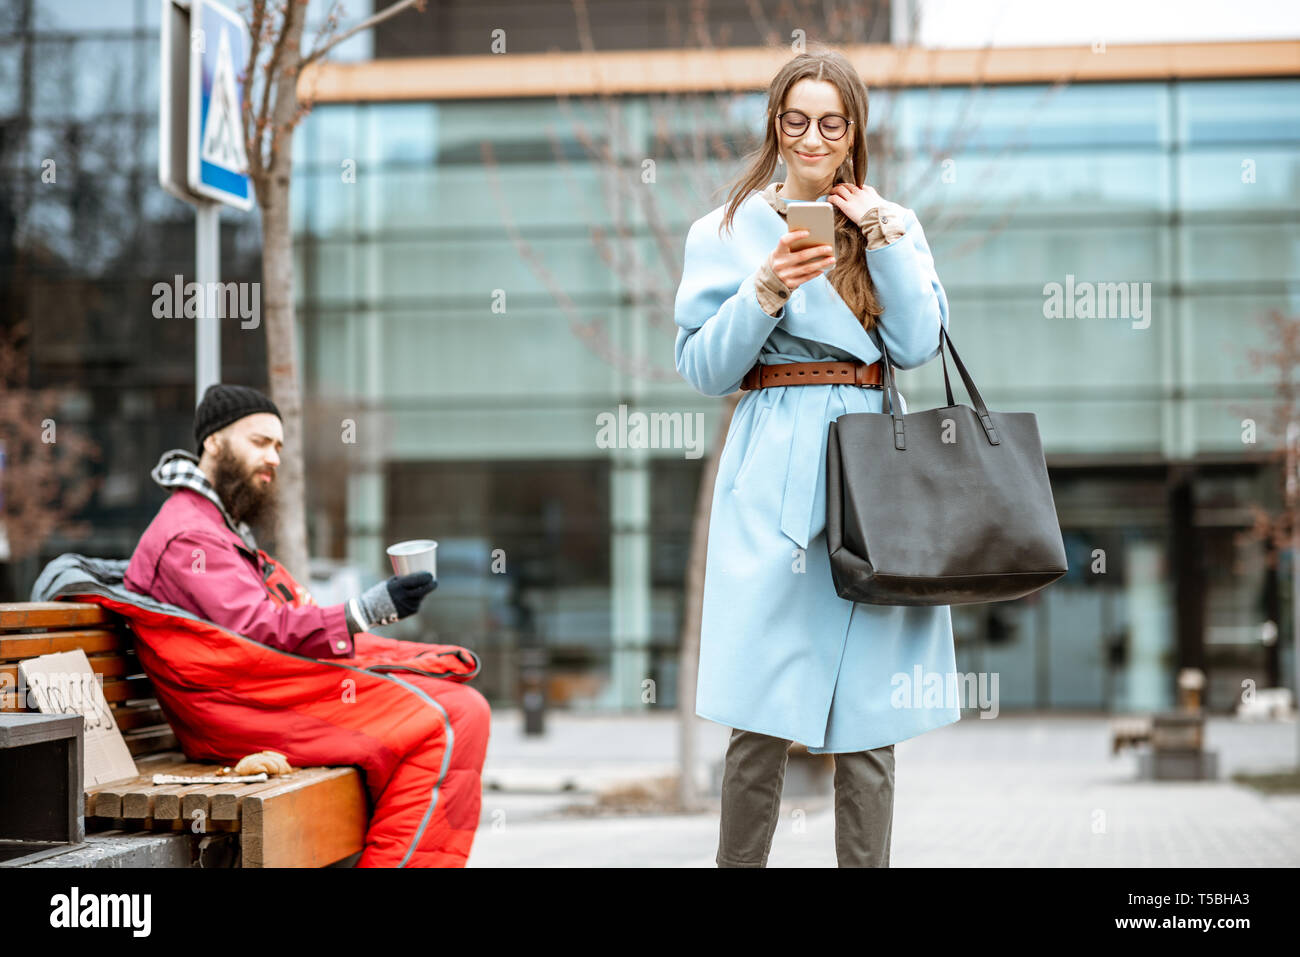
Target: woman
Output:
[(782, 657)]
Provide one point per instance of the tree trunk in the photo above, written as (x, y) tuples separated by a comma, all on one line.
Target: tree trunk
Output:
[(278, 311), (688, 671)]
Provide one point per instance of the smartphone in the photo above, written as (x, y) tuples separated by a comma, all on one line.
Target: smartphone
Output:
[(817, 218)]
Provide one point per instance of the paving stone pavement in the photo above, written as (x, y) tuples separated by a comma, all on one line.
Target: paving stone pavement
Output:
[(1022, 790)]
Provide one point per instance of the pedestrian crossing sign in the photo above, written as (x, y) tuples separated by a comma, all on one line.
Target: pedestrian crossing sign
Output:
[(218, 158)]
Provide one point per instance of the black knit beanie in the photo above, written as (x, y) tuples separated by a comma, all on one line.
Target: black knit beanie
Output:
[(223, 404)]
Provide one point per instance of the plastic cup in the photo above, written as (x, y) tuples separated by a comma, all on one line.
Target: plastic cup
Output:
[(417, 555)]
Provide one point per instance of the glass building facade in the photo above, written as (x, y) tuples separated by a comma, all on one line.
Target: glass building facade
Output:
[(85, 233), (479, 282), (489, 304)]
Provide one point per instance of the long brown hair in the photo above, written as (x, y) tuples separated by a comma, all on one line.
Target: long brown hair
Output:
[(849, 277)]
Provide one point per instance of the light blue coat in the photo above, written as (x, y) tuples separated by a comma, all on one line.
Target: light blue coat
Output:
[(780, 652)]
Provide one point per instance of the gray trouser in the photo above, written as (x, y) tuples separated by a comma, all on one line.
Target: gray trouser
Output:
[(751, 802)]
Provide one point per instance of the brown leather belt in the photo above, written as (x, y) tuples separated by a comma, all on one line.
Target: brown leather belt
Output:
[(867, 375)]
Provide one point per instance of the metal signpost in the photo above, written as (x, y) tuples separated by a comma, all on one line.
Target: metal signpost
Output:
[(201, 154)]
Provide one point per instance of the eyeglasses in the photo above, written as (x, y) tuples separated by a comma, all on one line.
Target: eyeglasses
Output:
[(833, 126)]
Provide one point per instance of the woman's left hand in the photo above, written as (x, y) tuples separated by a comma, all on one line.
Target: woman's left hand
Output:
[(855, 201)]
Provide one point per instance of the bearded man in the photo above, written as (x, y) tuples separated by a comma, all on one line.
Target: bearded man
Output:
[(404, 715)]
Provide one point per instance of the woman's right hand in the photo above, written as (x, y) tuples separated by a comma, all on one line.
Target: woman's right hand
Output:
[(794, 268)]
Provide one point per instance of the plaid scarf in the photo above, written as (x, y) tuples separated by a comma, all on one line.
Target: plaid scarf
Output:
[(180, 469)]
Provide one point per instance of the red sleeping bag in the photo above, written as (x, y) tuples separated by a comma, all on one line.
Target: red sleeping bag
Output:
[(398, 710)]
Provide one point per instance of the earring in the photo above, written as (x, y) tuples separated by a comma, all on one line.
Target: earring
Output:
[(779, 160)]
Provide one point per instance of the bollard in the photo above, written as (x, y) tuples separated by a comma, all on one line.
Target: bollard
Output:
[(1191, 682), (532, 686)]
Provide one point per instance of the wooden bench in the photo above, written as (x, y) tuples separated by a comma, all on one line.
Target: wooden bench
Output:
[(311, 817), (1129, 731)]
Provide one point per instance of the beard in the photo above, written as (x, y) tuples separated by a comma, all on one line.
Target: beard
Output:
[(246, 497)]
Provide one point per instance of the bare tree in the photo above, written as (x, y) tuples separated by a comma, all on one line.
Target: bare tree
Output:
[(272, 108), (43, 480), (1279, 530)]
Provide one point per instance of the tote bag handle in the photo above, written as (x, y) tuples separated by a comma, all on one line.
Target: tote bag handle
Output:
[(895, 405)]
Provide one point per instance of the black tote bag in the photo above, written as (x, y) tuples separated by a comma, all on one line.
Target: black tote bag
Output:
[(947, 506)]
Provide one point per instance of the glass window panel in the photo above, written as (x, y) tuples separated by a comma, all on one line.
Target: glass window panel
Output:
[(332, 274), (53, 77), (444, 199), (739, 114), (147, 63), (400, 199), (680, 193), (95, 147), (402, 133), (301, 189), (1238, 253), (150, 16), (86, 79), (1008, 647), (1070, 355), (331, 366), (513, 430), (1028, 117), (1078, 619), (329, 206), (328, 136), (11, 65), (556, 586), (148, 149), (1025, 258), (1238, 180), (86, 16), (160, 205), (105, 79), (357, 48), (1099, 425), (1239, 112), (473, 268), (523, 131), (1222, 330), (445, 353), (1218, 422), (1073, 184)]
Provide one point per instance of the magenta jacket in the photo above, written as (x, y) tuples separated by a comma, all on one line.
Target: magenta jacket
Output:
[(190, 557)]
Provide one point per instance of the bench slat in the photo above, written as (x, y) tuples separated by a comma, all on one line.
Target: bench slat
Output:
[(147, 766), (116, 689), (127, 689), (107, 800), (110, 666), (138, 800), (151, 740), (50, 614), (225, 805), (201, 797), (90, 640), (305, 826), (136, 717)]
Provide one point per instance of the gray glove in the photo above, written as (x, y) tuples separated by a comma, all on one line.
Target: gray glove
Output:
[(390, 601)]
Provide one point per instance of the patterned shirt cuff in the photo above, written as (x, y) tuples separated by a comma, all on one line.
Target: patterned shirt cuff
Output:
[(882, 225), (772, 293)]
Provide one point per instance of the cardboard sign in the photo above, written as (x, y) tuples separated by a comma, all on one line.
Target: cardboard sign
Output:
[(65, 683)]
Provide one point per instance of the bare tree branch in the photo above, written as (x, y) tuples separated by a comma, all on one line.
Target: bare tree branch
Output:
[(365, 24), (252, 144), (273, 78)]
